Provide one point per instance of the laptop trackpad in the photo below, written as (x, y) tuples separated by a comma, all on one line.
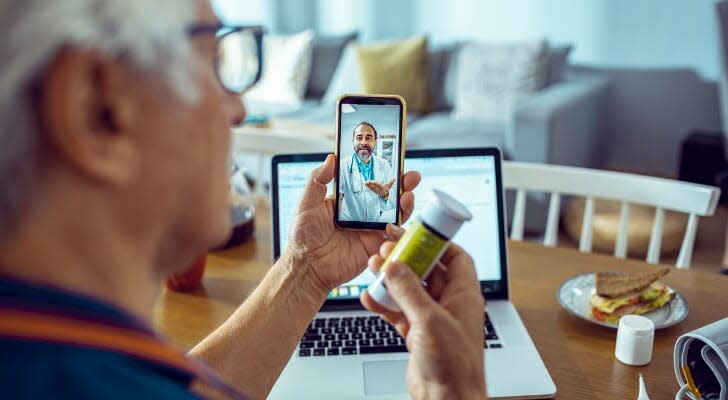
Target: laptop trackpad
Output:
[(385, 377)]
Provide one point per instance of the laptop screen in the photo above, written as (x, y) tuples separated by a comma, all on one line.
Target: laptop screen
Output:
[(469, 176)]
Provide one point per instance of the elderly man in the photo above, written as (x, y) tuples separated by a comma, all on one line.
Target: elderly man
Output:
[(114, 140), (367, 190)]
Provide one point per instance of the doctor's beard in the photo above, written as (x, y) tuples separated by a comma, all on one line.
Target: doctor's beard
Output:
[(364, 152)]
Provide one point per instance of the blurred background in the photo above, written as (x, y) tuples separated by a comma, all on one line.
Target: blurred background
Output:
[(632, 86)]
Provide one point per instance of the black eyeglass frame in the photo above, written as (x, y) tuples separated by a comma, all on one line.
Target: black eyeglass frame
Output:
[(222, 30)]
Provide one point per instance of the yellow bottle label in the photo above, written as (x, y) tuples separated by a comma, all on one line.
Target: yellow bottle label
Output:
[(419, 248)]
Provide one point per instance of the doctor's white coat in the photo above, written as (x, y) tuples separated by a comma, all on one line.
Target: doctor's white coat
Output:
[(359, 203)]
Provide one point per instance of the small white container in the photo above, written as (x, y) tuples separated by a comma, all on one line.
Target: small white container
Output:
[(635, 337)]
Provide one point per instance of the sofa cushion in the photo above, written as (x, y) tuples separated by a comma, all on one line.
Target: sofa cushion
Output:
[(327, 51), (346, 78), (397, 67), (439, 130), (558, 61), (286, 66), (442, 60), (493, 78)]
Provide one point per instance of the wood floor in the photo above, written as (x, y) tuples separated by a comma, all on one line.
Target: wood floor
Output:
[(709, 243)]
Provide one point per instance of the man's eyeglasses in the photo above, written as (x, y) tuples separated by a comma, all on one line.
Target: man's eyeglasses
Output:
[(239, 59)]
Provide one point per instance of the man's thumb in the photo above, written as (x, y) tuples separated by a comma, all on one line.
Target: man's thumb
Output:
[(315, 191), (407, 291)]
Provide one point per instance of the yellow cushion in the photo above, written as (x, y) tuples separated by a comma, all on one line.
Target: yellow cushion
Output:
[(397, 67), (639, 228)]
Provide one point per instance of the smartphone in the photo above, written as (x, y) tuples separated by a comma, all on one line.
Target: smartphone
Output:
[(370, 132)]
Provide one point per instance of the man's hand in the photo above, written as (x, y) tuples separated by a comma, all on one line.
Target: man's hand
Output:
[(381, 189), (442, 324), (333, 255)]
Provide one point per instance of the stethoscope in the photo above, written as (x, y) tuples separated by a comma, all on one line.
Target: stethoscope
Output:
[(351, 173)]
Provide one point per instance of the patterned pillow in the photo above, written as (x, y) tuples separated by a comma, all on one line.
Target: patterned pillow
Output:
[(286, 67), (493, 78)]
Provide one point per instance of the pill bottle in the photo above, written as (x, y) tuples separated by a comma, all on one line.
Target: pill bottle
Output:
[(635, 337), (423, 243)]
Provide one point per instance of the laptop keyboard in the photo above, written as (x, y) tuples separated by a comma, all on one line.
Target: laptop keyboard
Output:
[(492, 341), (341, 336)]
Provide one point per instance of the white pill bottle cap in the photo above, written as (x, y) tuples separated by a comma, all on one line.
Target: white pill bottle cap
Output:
[(444, 214)]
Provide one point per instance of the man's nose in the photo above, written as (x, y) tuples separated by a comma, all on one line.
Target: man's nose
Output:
[(236, 109)]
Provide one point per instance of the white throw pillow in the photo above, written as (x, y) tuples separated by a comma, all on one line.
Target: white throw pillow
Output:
[(492, 78), (286, 67)]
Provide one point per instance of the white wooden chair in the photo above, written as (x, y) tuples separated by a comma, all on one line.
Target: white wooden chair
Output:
[(663, 194)]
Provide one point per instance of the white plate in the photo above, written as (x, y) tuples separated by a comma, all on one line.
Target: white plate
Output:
[(574, 295)]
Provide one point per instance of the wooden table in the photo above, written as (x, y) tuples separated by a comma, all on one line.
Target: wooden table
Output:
[(579, 355)]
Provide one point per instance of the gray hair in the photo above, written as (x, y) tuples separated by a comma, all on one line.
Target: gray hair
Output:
[(150, 34)]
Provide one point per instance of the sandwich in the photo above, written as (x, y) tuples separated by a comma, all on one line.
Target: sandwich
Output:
[(619, 294)]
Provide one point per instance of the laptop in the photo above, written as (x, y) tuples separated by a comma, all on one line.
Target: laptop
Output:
[(350, 353)]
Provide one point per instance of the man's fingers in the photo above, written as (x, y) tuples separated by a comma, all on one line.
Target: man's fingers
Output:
[(462, 295), (407, 291), (460, 270), (394, 232), (324, 173), (386, 248), (375, 263), (410, 180), (315, 191), (406, 206), (452, 251), (437, 281)]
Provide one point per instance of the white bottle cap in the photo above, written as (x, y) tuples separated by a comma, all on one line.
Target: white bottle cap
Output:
[(444, 214), (635, 337)]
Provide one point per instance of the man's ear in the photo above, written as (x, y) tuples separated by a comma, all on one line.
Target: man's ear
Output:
[(87, 113)]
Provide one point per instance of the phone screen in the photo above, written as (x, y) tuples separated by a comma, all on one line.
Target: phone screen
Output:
[(369, 159)]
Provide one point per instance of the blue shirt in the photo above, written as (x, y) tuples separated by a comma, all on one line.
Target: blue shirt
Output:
[(36, 370), (366, 170)]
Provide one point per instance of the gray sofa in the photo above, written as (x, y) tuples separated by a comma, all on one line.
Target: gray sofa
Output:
[(560, 124)]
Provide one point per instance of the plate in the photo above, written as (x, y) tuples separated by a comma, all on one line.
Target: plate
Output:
[(574, 295)]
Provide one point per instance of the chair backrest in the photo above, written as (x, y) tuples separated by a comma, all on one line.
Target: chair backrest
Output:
[(663, 194)]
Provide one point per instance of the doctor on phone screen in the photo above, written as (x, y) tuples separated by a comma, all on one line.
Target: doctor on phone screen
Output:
[(368, 190)]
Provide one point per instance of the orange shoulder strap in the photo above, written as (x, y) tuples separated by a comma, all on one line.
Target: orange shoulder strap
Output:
[(57, 329), (43, 327)]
